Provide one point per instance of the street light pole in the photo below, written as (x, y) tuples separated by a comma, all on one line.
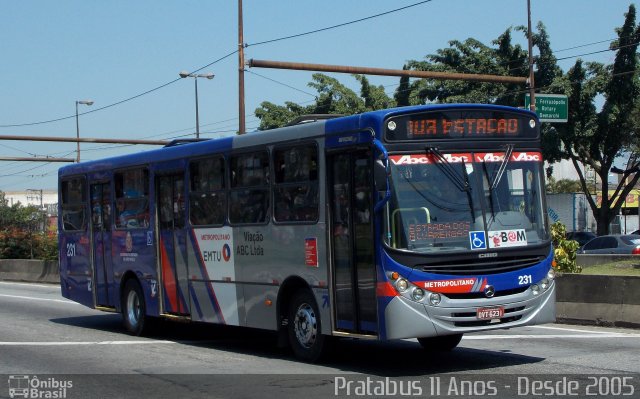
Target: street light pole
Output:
[(85, 102), (195, 77)]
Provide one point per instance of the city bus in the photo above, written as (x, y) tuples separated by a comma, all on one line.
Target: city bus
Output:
[(422, 222)]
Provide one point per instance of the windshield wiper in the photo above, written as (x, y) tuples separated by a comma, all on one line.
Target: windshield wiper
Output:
[(486, 174), (461, 182), (503, 166), (498, 176)]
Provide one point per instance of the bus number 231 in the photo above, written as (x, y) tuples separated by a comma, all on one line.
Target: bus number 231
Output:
[(71, 250), (524, 280)]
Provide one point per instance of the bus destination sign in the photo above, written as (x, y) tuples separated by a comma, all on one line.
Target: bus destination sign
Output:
[(460, 124)]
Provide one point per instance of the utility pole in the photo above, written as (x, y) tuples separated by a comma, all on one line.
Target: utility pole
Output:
[(241, 123), (532, 91)]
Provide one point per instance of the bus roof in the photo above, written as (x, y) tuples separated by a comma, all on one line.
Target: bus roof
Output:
[(328, 127)]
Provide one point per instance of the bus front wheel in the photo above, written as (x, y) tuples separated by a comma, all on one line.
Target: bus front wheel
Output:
[(133, 308), (305, 337), (440, 344)]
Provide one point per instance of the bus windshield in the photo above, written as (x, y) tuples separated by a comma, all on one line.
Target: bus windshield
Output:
[(456, 202)]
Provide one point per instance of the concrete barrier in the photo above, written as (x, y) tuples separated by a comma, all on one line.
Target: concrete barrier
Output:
[(30, 270), (599, 300)]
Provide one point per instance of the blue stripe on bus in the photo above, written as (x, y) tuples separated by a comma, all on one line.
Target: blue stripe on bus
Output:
[(195, 301), (345, 324)]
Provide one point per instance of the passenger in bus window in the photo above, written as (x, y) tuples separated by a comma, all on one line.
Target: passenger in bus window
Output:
[(73, 218), (126, 217)]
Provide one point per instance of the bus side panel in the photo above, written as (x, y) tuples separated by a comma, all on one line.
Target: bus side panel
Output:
[(214, 294), (267, 255), (134, 250), (75, 267)]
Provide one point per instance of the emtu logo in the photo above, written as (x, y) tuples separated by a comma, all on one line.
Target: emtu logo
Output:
[(226, 252)]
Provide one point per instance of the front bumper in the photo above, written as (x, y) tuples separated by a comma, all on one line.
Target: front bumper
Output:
[(408, 319)]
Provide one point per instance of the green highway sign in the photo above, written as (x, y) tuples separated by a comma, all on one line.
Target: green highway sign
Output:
[(550, 107)]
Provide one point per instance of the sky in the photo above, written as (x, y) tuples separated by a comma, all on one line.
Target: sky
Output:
[(126, 55)]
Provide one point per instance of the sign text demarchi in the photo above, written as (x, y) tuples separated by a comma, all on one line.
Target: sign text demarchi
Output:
[(550, 107)]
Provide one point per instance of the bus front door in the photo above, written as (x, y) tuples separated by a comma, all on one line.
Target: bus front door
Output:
[(173, 243), (354, 278), (101, 233)]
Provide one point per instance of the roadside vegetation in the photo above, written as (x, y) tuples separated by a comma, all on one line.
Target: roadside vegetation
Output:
[(619, 268), (22, 235), (564, 251)]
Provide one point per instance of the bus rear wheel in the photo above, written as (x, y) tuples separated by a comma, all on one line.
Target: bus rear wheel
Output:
[(133, 308), (442, 343), (304, 328)]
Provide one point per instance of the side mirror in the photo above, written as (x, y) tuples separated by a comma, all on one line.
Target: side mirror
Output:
[(380, 175)]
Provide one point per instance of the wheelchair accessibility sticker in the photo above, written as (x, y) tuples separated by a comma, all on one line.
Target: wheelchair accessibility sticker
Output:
[(478, 240)]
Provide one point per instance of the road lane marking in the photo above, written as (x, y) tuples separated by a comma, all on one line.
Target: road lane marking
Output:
[(38, 299), (30, 284), (71, 343), (571, 329), (554, 336)]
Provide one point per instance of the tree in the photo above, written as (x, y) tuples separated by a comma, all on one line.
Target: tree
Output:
[(19, 235), (563, 186), (403, 92), (596, 138), (272, 116), (333, 98), (472, 56)]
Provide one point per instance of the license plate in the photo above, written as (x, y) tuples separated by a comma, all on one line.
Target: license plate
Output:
[(490, 313)]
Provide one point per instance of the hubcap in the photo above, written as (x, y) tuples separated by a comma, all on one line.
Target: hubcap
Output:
[(305, 325), (133, 308)]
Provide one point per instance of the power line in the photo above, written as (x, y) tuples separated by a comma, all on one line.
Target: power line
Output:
[(118, 102), (586, 45), (338, 25), (214, 62), (280, 83)]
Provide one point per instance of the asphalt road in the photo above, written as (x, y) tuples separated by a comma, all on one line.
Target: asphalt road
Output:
[(61, 343)]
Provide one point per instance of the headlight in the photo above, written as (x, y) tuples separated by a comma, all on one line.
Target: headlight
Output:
[(417, 294), (551, 274), (544, 283), (535, 289), (411, 291), (402, 285)]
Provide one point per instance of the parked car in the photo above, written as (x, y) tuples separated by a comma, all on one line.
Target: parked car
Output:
[(613, 244), (582, 237)]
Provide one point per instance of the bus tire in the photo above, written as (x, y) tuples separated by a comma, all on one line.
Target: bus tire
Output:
[(133, 308), (442, 343), (304, 327)]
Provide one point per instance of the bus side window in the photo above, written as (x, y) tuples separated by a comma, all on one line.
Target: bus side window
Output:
[(207, 197), (249, 193), (74, 212), (132, 199), (296, 184)]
